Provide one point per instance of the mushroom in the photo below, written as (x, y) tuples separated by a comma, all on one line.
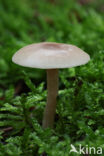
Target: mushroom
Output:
[(50, 56)]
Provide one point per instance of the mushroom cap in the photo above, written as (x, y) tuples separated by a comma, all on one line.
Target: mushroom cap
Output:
[(50, 55)]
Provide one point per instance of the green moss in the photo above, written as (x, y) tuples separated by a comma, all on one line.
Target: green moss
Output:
[(80, 108)]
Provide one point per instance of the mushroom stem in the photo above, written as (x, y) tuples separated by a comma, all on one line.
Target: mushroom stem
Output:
[(52, 87)]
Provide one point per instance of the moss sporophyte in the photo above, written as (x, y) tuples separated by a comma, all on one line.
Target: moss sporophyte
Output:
[(50, 56)]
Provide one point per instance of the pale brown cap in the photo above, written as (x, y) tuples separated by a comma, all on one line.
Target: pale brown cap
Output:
[(50, 55)]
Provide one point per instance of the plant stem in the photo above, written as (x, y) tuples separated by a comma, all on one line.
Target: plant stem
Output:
[(52, 87)]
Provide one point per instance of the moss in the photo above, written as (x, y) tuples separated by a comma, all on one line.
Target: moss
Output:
[(80, 109)]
